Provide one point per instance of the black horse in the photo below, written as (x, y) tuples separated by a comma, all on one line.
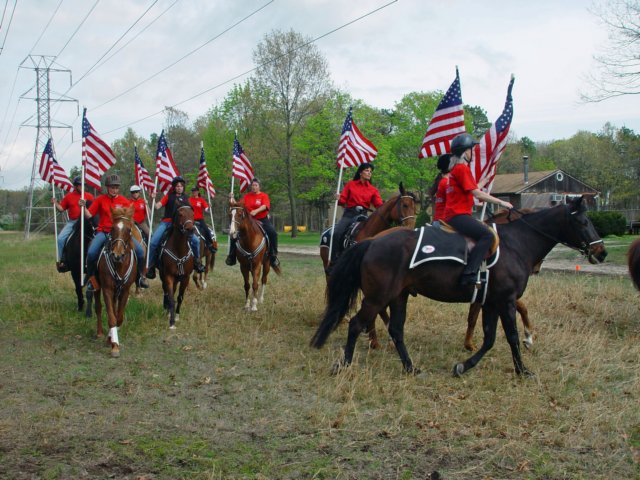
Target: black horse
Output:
[(633, 260), (72, 254), (380, 268)]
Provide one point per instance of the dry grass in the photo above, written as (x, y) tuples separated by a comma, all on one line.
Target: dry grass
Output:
[(233, 395)]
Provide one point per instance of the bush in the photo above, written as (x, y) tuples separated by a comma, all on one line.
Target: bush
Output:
[(608, 223)]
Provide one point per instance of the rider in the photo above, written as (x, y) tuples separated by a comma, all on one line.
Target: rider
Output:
[(257, 204), (357, 196), (200, 205), (140, 212), (438, 191), (171, 201), (102, 206), (70, 203), (461, 191)]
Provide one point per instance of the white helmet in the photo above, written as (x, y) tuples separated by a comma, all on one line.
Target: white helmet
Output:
[(135, 188)]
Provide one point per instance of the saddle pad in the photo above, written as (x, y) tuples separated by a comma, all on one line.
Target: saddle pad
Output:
[(325, 238), (437, 244)]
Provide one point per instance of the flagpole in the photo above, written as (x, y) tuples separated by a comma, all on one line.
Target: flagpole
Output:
[(206, 187), (335, 209), (82, 173), (55, 221), (153, 209)]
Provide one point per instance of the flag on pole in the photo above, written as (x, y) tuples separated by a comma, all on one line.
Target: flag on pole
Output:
[(447, 122), (242, 169), (51, 171), (203, 176), (493, 143), (354, 148), (166, 169), (143, 179), (97, 155)]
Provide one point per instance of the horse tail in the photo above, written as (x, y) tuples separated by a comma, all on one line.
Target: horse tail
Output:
[(633, 260), (342, 291)]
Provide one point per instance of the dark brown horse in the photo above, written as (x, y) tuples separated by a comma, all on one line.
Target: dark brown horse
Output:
[(380, 268), (72, 254), (176, 262), (208, 260), (398, 210), (117, 270), (251, 252), (633, 260)]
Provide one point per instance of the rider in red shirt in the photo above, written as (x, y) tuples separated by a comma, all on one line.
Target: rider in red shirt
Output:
[(461, 191), (200, 206), (140, 212), (357, 197), (258, 204), (438, 191)]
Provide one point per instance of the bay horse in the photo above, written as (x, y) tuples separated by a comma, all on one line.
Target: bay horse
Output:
[(398, 210), (633, 261), (252, 253), (72, 255), (208, 260), (176, 262), (380, 268), (117, 270)]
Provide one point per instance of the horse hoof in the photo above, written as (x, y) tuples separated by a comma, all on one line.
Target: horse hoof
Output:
[(339, 367), (458, 370), (413, 371), (204, 285), (528, 343), (526, 373), (177, 317), (172, 327), (115, 351)]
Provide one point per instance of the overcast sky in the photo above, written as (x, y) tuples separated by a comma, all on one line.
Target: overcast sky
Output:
[(409, 45)]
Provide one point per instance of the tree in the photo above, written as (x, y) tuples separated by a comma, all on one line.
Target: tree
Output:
[(617, 67), (296, 75), (123, 148)]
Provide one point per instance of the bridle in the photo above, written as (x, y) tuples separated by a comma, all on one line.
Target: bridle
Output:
[(111, 260), (250, 255), (182, 227), (398, 207)]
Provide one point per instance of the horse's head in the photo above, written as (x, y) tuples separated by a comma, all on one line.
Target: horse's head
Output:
[(404, 212), (183, 220), (120, 242), (237, 214), (582, 234)]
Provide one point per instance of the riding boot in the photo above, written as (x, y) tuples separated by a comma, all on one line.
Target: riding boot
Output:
[(90, 278), (141, 282), (213, 247), (231, 258), (197, 264), (151, 271), (62, 267), (275, 262)]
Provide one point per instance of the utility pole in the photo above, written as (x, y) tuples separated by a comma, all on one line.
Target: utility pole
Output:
[(39, 211)]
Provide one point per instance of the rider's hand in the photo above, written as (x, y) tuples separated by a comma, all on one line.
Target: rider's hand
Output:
[(82, 202)]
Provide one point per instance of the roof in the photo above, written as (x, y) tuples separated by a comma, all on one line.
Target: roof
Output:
[(514, 182)]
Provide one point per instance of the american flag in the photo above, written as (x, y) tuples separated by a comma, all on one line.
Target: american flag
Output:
[(354, 148), (493, 143), (166, 169), (51, 171), (203, 176), (447, 122), (97, 155), (143, 179), (242, 169)]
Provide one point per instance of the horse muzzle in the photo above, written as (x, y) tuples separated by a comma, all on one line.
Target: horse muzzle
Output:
[(596, 252)]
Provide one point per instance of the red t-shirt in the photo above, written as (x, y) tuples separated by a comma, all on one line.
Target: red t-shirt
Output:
[(102, 206), (199, 206), (440, 199), (459, 199), (70, 203), (356, 193), (140, 212), (255, 200)]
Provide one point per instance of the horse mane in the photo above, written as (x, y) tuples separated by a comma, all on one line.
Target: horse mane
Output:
[(504, 215), (122, 212)]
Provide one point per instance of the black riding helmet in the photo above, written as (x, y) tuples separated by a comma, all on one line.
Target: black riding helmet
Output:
[(443, 163), (363, 166), (77, 181), (461, 143), (112, 181), (177, 180)]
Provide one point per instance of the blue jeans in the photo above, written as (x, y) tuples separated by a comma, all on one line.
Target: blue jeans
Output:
[(64, 234), (154, 244), (96, 246)]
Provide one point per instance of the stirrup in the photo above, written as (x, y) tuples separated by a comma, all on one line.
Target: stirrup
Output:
[(230, 260)]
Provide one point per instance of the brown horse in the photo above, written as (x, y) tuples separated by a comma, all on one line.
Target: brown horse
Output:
[(209, 261), (380, 268), (251, 252), (176, 262), (633, 260), (117, 270)]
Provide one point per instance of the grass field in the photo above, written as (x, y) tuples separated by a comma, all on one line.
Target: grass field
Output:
[(236, 395)]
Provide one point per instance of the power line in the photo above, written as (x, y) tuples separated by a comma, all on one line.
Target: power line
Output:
[(184, 56), (46, 27), (4, 11), (8, 26), (257, 67), (78, 28)]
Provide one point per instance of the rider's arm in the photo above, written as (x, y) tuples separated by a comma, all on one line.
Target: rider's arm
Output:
[(485, 197)]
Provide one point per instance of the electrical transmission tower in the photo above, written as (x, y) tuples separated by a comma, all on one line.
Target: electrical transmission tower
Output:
[(39, 209)]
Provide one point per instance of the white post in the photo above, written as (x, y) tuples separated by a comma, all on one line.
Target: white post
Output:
[(335, 210)]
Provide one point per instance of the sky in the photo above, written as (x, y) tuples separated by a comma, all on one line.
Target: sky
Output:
[(384, 50)]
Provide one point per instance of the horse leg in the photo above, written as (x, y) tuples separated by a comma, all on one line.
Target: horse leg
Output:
[(88, 310), (168, 286), (75, 274), (96, 295), (472, 319), (109, 303), (357, 324), (508, 319), (371, 330), (489, 327), (184, 283), (528, 329), (247, 287), (122, 304), (263, 283), (254, 289), (398, 309)]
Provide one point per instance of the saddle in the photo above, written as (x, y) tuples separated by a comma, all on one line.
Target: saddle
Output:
[(348, 239)]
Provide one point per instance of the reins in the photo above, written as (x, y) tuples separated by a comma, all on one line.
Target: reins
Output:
[(398, 206), (250, 255), (107, 253), (181, 227)]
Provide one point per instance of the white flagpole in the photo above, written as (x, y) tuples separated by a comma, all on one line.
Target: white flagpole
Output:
[(335, 209), (55, 221), (153, 209), (206, 187), (82, 172)]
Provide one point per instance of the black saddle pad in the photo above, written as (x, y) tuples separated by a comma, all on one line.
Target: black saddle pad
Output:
[(351, 231), (436, 244)]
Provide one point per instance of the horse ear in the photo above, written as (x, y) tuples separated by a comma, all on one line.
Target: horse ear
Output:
[(402, 191)]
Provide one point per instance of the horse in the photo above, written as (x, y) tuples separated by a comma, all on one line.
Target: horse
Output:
[(176, 262), (200, 279), (380, 268), (633, 261), (251, 252), (117, 270), (398, 210), (72, 254)]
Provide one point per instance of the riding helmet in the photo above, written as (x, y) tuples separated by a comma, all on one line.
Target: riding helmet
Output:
[(443, 163), (77, 181), (135, 188), (112, 181), (462, 143), (195, 189), (363, 166), (177, 180)]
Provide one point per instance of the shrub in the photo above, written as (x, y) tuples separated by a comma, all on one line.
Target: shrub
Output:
[(608, 223)]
